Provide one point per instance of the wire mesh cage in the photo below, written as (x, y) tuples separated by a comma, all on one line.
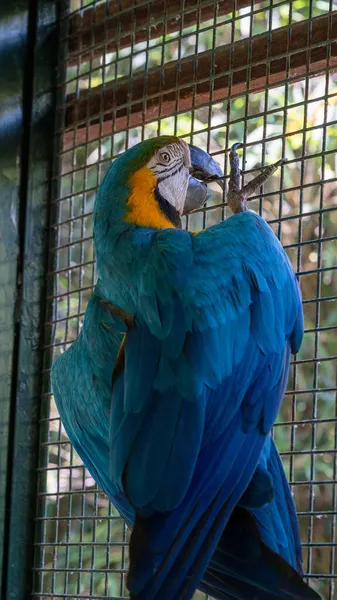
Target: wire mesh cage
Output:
[(214, 73)]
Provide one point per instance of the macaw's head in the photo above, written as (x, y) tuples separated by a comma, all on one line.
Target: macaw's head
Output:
[(155, 182)]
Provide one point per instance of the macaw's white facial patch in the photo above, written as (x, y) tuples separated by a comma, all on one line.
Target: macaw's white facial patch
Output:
[(171, 167)]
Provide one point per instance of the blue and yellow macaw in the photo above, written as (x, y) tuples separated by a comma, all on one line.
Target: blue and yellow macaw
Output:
[(170, 391)]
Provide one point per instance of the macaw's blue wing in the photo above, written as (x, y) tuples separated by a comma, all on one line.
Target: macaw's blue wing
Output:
[(205, 369), (82, 386)]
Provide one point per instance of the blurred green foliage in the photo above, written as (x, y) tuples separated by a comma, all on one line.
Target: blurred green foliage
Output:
[(298, 121)]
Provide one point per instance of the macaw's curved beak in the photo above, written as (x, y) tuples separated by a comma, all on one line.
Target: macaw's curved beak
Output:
[(204, 170)]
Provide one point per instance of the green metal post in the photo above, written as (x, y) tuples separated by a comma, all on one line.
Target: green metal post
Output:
[(28, 53)]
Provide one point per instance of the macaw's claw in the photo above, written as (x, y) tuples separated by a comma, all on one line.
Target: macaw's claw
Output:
[(205, 170), (237, 198), (236, 146)]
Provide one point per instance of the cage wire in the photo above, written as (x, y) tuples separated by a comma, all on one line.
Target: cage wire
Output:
[(214, 73)]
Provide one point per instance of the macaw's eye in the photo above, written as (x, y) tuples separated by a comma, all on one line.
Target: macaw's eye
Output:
[(165, 157)]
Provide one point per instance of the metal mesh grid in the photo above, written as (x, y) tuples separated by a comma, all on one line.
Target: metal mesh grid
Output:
[(81, 543)]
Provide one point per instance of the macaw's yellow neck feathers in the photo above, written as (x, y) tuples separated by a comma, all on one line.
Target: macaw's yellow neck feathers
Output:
[(142, 206)]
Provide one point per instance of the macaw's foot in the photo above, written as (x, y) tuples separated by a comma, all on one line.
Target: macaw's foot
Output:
[(237, 198)]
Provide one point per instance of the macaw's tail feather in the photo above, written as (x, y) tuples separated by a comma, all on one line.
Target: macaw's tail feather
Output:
[(170, 552), (277, 521), (225, 549), (259, 554), (243, 567)]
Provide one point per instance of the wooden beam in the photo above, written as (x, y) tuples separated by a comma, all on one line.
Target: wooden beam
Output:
[(246, 66), (107, 27)]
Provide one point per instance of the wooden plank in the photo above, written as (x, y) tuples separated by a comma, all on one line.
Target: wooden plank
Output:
[(247, 65), (107, 27)]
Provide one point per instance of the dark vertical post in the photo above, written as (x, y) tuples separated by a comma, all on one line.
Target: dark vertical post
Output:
[(11, 86), (28, 53)]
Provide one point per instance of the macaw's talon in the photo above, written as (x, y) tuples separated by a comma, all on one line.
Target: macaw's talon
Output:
[(236, 146), (237, 198), (265, 173)]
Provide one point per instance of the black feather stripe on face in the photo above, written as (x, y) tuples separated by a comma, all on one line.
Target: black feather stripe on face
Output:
[(168, 209), (170, 173)]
